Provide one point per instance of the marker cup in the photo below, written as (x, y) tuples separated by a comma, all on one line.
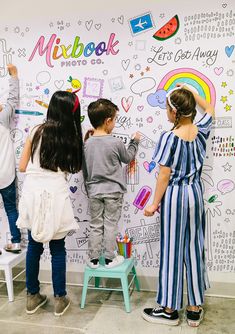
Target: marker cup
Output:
[(125, 249)]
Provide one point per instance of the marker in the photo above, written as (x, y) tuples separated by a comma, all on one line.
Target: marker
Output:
[(41, 103), (27, 112)]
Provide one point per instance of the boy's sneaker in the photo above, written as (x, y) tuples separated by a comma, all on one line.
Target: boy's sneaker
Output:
[(93, 264), (13, 248), (61, 305), (194, 317), (34, 302), (159, 315), (114, 262)]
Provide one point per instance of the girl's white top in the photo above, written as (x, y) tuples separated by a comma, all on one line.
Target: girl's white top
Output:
[(45, 207)]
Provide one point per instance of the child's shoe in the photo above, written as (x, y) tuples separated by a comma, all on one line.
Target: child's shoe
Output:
[(13, 248), (194, 317), (114, 262), (61, 305), (34, 302), (93, 264), (159, 315)]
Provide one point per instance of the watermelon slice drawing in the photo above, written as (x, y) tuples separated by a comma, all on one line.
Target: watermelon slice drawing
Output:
[(168, 30)]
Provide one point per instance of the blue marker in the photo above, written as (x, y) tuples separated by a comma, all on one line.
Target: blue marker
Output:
[(27, 112)]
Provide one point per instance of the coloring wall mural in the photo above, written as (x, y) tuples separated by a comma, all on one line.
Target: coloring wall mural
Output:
[(133, 53)]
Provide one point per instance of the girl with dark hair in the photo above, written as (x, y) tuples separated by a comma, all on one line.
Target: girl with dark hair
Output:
[(52, 150), (180, 154)]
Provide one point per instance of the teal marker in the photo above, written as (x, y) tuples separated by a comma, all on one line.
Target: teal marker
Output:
[(27, 112)]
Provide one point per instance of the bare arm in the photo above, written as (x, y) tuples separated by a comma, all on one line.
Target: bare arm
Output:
[(161, 185), (25, 156), (206, 106)]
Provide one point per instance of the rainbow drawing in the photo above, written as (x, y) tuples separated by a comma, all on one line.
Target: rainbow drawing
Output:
[(196, 79)]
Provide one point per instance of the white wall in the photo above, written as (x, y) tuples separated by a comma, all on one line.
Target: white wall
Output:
[(200, 53)]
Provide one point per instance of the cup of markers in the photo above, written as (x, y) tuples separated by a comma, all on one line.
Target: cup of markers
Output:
[(124, 245)]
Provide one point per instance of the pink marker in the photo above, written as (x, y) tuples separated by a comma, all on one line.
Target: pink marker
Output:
[(142, 198)]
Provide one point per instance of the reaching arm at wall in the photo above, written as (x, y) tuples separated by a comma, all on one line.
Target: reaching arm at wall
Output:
[(25, 156)]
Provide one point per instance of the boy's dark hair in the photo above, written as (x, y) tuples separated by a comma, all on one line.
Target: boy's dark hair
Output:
[(61, 135), (99, 110), (185, 104)]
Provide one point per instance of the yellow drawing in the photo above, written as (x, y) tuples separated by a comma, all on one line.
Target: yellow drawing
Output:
[(76, 84)]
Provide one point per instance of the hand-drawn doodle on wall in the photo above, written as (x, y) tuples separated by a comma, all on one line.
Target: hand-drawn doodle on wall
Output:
[(157, 99), (142, 198), (209, 25), (75, 83), (141, 23), (211, 209), (143, 85), (192, 77), (93, 88), (6, 57), (168, 30), (132, 174), (223, 146), (145, 234)]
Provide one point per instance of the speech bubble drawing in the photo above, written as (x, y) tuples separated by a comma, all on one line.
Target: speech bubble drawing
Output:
[(143, 85), (157, 99), (43, 77), (225, 186)]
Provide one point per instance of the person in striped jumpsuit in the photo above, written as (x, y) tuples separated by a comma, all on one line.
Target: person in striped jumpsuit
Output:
[(180, 154)]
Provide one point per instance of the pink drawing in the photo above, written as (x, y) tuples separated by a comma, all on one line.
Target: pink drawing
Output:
[(149, 166), (126, 103), (132, 174), (140, 108), (194, 78), (142, 198), (218, 70)]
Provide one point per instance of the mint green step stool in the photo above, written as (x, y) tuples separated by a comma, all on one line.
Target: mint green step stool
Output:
[(122, 271)]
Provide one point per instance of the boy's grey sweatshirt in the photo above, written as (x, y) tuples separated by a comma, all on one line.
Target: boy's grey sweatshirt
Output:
[(104, 156)]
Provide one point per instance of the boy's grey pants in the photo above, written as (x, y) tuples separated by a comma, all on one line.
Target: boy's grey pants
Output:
[(105, 211)]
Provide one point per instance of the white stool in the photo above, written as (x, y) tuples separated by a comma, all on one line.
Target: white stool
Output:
[(7, 262)]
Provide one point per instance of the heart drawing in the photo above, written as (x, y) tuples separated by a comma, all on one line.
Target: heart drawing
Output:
[(218, 70), (149, 166), (125, 64), (229, 50), (126, 103), (73, 189)]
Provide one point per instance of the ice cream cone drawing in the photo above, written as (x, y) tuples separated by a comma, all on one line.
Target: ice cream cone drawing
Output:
[(132, 174), (142, 198)]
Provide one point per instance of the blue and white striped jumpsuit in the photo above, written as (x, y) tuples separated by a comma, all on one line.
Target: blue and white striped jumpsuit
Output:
[(182, 218)]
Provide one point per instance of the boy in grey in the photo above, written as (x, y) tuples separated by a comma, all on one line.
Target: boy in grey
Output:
[(105, 183)]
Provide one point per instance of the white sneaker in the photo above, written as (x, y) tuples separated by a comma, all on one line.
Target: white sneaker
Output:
[(93, 264), (115, 262), (13, 248)]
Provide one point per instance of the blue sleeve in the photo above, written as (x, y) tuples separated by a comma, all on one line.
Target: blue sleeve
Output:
[(204, 125), (163, 152)]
